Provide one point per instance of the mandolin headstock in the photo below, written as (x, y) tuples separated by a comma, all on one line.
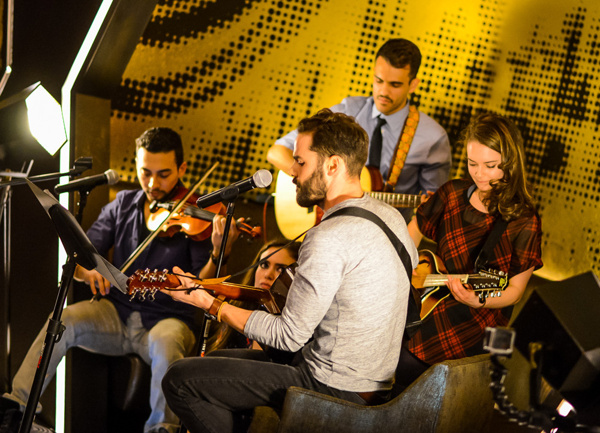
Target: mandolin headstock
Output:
[(489, 283)]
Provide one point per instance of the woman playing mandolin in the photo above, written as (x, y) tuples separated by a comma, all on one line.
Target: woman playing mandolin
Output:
[(459, 217)]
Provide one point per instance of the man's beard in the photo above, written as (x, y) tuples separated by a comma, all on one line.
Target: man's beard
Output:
[(312, 191)]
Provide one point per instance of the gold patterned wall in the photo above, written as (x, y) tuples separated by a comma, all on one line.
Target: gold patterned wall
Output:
[(233, 75)]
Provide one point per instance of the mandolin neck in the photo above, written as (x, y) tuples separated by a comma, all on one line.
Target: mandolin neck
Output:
[(433, 280), (397, 200)]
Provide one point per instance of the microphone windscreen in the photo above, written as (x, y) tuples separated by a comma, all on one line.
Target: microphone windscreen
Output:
[(112, 176), (262, 178)]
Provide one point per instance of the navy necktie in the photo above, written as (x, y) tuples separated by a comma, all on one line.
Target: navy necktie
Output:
[(376, 144)]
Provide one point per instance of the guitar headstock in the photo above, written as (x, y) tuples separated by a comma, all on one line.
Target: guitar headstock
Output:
[(146, 283), (489, 283)]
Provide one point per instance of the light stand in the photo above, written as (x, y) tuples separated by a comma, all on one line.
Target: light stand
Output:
[(80, 251), (5, 216)]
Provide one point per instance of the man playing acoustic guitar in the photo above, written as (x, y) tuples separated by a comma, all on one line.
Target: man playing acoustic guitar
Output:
[(350, 294), (409, 149)]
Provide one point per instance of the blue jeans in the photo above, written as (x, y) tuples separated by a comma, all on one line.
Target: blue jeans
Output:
[(218, 392), (97, 328)]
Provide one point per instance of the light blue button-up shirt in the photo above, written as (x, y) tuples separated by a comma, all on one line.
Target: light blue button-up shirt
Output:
[(428, 163)]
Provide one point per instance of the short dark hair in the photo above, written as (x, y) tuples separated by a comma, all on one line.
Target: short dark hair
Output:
[(401, 53), (161, 139), (337, 134)]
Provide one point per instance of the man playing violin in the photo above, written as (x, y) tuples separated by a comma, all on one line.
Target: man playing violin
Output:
[(350, 294), (161, 331), (388, 114)]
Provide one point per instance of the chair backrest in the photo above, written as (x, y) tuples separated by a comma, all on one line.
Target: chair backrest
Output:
[(450, 397)]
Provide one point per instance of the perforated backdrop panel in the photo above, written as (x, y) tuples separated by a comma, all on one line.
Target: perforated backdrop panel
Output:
[(232, 75)]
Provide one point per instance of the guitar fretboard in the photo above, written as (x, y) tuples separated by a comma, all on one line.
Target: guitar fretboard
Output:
[(397, 200)]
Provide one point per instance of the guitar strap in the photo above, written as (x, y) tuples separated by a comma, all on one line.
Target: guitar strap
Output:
[(413, 316), (403, 146), (492, 240)]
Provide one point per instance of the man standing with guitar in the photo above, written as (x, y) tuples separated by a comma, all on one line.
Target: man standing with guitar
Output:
[(486, 222), (409, 149), (350, 294)]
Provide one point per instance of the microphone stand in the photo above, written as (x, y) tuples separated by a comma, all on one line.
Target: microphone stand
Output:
[(207, 321), (206, 325), (79, 166)]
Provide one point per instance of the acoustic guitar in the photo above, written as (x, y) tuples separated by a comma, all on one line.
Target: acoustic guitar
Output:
[(293, 219), (144, 284), (431, 275)]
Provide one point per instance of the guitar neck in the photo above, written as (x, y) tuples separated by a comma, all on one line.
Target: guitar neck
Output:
[(397, 200)]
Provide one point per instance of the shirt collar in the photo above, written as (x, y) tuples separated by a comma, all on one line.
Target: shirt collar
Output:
[(398, 115)]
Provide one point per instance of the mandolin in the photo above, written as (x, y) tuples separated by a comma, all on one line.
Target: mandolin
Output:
[(430, 277)]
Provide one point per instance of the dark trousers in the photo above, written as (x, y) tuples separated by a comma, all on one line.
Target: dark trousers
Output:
[(216, 393)]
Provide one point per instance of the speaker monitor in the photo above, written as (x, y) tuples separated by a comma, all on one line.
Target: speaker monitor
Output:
[(565, 317)]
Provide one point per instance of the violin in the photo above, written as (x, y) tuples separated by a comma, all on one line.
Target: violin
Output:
[(193, 221)]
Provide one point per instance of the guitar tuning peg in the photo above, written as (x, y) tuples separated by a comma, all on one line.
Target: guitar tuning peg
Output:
[(153, 293), (163, 276)]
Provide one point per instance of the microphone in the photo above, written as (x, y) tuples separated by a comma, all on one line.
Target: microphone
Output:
[(109, 177), (260, 179)]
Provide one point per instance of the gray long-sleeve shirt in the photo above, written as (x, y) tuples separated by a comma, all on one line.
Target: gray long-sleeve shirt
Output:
[(351, 291)]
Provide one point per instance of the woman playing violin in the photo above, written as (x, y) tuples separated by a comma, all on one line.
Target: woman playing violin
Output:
[(459, 217)]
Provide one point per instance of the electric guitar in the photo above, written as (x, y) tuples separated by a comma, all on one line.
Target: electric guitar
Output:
[(431, 275), (293, 219), (144, 284)]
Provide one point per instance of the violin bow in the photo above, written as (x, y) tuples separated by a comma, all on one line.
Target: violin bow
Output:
[(141, 247)]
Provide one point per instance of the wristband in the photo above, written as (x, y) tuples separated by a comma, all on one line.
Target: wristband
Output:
[(220, 310), (213, 311)]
